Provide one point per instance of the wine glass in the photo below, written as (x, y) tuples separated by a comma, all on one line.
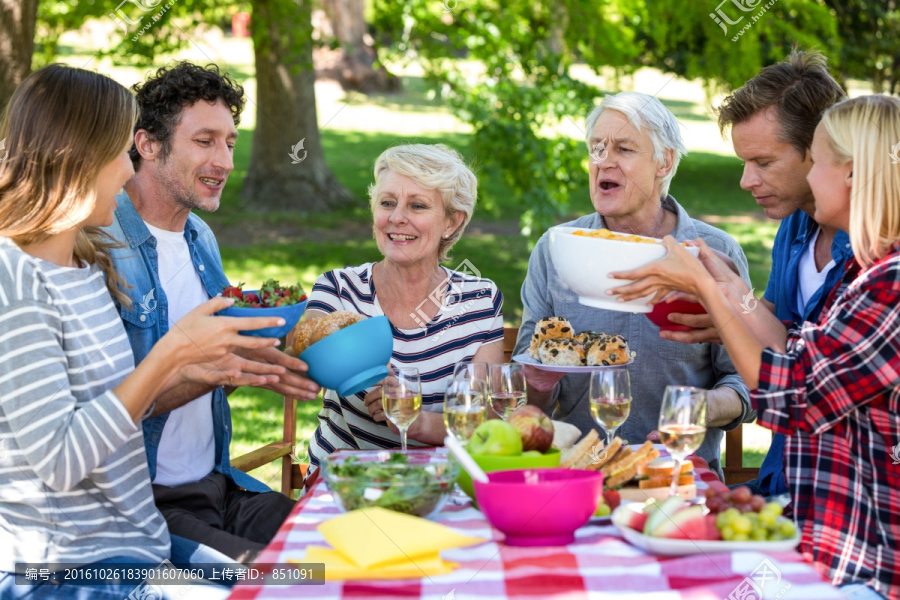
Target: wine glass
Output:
[(464, 407), (508, 391), (471, 370), (682, 424), (610, 396), (401, 398)]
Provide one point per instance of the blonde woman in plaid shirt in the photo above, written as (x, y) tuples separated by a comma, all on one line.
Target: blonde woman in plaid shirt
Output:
[(832, 387)]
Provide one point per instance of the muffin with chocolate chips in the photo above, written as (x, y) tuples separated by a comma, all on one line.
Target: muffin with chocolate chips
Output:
[(551, 328), (608, 351), (561, 353)]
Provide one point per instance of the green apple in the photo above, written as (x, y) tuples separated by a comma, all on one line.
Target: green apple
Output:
[(603, 510), (495, 438)]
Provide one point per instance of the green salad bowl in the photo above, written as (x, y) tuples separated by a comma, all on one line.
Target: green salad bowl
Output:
[(415, 482), (490, 464)]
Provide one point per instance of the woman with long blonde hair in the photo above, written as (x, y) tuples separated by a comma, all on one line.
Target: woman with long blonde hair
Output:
[(832, 387), (75, 485)]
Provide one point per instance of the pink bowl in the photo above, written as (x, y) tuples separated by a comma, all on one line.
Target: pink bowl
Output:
[(539, 507), (661, 311)]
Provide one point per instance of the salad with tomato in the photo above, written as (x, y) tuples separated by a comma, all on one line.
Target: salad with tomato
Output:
[(269, 295)]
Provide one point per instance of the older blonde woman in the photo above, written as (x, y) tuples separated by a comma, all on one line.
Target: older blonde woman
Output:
[(635, 147), (422, 199)]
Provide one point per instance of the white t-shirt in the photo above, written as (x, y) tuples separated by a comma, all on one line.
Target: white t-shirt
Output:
[(810, 278), (187, 447)]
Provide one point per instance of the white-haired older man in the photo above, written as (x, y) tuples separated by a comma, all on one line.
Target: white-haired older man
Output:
[(635, 147)]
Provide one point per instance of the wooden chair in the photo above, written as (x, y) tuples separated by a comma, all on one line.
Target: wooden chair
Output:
[(734, 469), (292, 473)]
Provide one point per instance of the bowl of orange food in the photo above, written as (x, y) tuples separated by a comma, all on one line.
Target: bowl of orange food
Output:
[(584, 258)]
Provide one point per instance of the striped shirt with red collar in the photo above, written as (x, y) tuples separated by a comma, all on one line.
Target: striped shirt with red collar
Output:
[(835, 394)]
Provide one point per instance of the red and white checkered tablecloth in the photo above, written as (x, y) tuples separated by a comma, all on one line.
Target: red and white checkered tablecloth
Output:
[(599, 565)]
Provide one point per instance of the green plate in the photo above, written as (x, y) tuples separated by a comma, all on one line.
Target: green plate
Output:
[(506, 463)]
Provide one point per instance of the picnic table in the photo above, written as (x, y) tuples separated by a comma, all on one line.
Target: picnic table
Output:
[(600, 564)]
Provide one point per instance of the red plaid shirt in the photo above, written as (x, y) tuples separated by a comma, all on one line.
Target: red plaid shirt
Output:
[(835, 394)]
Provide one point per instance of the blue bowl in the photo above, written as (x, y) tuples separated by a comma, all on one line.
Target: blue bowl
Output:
[(291, 314), (353, 358)]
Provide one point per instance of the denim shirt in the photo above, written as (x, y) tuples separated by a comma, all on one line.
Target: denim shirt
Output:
[(147, 319), (794, 236), (792, 240)]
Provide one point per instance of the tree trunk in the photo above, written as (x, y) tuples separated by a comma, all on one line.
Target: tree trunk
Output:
[(352, 63), (17, 21), (287, 171)]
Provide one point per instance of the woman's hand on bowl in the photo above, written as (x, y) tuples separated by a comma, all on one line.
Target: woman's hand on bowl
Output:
[(677, 271), (201, 337), (703, 328), (291, 379), (230, 370)]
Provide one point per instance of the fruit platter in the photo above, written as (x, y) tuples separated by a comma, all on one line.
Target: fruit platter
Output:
[(730, 520)]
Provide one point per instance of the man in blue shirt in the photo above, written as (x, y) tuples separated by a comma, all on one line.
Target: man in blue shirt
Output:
[(182, 156), (773, 118)]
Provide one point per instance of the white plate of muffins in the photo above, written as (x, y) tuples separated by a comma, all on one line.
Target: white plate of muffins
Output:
[(556, 347)]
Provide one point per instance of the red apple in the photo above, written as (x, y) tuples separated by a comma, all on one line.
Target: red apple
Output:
[(534, 426)]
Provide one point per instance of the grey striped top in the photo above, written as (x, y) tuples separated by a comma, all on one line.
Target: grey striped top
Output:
[(74, 484)]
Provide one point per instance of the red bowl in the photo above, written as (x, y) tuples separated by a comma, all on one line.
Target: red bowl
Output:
[(659, 316)]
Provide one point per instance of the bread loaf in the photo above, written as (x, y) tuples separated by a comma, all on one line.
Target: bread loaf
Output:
[(310, 331)]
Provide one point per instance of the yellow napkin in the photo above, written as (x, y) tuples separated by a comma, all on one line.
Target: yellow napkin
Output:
[(377, 536), (338, 567), (376, 543)]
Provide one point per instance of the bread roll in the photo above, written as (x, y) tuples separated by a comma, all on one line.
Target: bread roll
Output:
[(563, 353), (308, 332), (608, 351)]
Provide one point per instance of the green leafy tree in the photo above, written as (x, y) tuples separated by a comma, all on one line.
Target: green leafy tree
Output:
[(870, 50), (288, 169), (521, 91)]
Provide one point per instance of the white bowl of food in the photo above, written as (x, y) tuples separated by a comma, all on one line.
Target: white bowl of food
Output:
[(584, 258)]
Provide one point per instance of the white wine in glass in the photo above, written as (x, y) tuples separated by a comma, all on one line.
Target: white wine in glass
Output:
[(682, 424), (610, 396), (464, 407), (401, 398), (507, 388), (473, 371)]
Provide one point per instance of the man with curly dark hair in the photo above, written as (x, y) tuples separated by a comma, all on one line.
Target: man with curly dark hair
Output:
[(182, 154)]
